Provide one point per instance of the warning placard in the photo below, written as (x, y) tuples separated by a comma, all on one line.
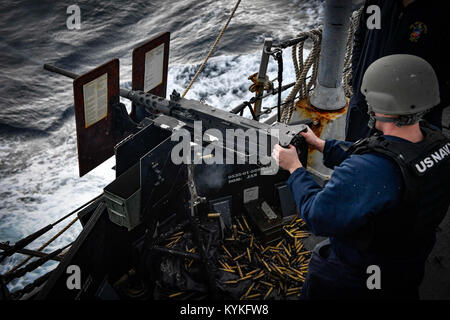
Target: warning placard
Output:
[(154, 64), (95, 94)]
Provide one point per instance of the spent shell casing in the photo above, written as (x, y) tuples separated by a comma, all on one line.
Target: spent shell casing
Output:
[(239, 269), (226, 250), (240, 225), (267, 266), (249, 289), (244, 278), (252, 272), (246, 224), (231, 282), (268, 293), (239, 256), (260, 275), (176, 294), (287, 251), (214, 215)]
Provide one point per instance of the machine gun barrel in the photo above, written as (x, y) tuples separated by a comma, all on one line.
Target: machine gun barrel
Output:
[(123, 92), (60, 71)]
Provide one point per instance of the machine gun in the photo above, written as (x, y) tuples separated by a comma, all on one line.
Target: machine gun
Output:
[(156, 193), (142, 143), (143, 150)]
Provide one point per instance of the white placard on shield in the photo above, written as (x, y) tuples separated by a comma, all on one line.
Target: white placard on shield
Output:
[(154, 63), (95, 94)]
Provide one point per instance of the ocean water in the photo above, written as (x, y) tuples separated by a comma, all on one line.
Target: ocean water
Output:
[(38, 157)]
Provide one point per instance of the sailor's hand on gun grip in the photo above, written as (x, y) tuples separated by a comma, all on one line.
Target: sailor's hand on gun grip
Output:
[(313, 140), (286, 158)]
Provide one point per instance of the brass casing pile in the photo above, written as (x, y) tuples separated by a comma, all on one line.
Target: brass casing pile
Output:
[(271, 270)]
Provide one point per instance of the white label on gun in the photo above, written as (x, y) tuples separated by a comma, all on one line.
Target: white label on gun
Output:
[(268, 211), (251, 194), (154, 63), (95, 95)]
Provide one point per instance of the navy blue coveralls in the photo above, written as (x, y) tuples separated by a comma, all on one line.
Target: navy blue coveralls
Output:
[(420, 29), (361, 185)]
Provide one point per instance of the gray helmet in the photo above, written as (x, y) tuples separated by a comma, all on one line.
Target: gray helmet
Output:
[(400, 84)]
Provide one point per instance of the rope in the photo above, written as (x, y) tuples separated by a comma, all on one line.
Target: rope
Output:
[(301, 70), (347, 76), (302, 87), (45, 244), (212, 49)]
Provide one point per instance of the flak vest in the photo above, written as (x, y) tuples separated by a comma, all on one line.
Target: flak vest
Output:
[(409, 228)]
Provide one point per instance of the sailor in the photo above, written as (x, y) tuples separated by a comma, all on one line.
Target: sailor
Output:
[(388, 192), (416, 27)]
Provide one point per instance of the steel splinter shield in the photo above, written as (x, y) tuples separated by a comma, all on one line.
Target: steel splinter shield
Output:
[(94, 93)]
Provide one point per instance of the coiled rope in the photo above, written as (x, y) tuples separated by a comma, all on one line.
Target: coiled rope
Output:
[(301, 70), (212, 49), (347, 76), (302, 87)]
